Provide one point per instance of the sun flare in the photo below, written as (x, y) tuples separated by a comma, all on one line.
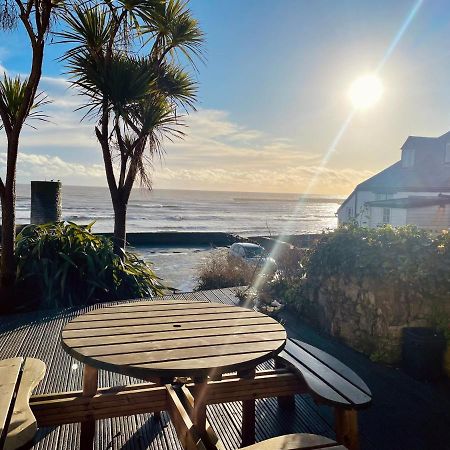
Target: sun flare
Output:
[(365, 91)]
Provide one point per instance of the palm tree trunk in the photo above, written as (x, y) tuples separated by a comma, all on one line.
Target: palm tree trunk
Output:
[(8, 268), (120, 230)]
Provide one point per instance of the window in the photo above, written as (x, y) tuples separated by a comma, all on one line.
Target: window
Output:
[(349, 213), (447, 153), (386, 215), (383, 196), (408, 157)]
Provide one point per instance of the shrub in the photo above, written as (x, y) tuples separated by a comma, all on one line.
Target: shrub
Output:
[(407, 258), (222, 270), (64, 264)]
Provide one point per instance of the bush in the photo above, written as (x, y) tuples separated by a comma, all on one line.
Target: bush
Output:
[(222, 270), (407, 258), (64, 264)]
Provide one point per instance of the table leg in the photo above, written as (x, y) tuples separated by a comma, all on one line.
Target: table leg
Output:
[(248, 413), (285, 402), (199, 409), (346, 427), (90, 384)]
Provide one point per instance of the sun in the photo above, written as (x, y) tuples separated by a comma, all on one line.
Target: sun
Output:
[(365, 91)]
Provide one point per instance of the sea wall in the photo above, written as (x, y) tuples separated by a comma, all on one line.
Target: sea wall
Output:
[(297, 240), (179, 238), (369, 316)]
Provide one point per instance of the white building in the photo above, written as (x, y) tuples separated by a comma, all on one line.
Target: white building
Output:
[(414, 190)]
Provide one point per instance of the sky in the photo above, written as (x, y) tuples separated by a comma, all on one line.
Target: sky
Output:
[(273, 98)]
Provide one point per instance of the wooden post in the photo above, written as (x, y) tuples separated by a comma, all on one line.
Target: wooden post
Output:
[(285, 402), (346, 427), (199, 409), (248, 413), (90, 385)]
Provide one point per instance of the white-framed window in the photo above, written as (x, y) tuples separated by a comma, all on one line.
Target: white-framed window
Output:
[(447, 153), (386, 215), (408, 157)]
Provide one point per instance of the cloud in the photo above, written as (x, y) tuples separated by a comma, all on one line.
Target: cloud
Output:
[(45, 167), (216, 153), (293, 179)]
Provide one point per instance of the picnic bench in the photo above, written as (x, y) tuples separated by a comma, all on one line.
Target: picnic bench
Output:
[(187, 351), (19, 376)]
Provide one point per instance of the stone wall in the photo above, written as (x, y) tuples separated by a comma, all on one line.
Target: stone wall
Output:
[(368, 316)]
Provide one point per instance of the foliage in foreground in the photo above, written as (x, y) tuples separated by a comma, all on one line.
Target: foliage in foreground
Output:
[(64, 264)]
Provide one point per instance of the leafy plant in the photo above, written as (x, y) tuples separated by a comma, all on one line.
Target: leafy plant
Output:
[(223, 270), (64, 264)]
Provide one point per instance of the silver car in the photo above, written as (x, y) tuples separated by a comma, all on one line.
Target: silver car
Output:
[(252, 253)]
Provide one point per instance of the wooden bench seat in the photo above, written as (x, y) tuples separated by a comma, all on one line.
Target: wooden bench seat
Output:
[(328, 380), (331, 382), (18, 378), (299, 441)]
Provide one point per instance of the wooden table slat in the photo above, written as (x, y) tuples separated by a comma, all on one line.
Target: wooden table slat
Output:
[(134, 329), (169, 335), (164, 354), (220, 362), (182, 344), (110, 323), (148, 314)]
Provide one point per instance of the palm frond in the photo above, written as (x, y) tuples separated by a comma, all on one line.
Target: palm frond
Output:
[(123, 80), (174, 29), (177, 84), (87, 27), (12, 92)]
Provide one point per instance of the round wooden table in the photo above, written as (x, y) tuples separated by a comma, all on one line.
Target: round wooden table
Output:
[(167, 339)]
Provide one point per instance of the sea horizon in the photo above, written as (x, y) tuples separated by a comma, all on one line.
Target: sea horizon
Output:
[(244, 213)]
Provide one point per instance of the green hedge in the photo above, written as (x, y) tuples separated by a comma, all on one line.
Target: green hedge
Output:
[(408, 258)]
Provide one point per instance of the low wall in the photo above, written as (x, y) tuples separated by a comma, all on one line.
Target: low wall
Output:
[(297, 240), (368, 316), (178, 238)]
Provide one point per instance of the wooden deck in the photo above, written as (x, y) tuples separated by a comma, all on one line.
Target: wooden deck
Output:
[(405, 415)]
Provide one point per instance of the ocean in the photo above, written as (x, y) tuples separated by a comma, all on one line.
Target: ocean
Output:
[(243, 213)]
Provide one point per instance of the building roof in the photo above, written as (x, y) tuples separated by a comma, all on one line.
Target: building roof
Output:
[(411, 202), (429, 173)]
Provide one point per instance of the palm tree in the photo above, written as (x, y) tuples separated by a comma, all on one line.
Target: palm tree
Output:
[(18, 98), (125, 58)]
